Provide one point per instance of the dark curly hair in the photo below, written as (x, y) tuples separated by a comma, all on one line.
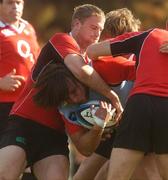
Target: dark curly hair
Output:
[(52, 85)]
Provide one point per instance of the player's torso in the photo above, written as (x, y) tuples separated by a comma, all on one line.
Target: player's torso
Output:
[(152, 73), (151, 65), (18, 49), (53, 52)]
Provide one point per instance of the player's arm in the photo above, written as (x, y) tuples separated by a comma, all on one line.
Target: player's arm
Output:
[(99, 49), (86, 74), (86, 141), (115, 70)]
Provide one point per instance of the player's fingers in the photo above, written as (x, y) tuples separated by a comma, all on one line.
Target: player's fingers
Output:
[(102, 104), (15, 86), (18, 77), (109, 107)]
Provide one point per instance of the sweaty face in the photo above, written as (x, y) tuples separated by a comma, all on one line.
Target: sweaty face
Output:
[(11, 10), (77, 93), (89, 30)]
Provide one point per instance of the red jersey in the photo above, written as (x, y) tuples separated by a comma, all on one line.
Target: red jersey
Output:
[(114, 70), (151, 71), (58, 47), (18, 50)]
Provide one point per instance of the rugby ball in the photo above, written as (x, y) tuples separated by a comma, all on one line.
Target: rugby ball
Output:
[(83, 115)]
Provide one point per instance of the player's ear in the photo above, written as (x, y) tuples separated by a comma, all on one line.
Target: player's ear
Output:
[(76, 24)]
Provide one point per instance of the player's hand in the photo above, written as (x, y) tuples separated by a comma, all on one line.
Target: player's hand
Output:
[(116, 104), (11, 81), (103, 114), (164, 47)]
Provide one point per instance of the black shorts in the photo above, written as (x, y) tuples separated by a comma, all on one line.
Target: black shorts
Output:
[(105, 147), (5, 109), (144, 124), (37, 140)]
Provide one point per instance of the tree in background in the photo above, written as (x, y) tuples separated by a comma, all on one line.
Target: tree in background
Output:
[(50, 16)]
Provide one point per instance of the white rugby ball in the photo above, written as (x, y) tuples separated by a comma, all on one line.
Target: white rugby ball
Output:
[(84, 115)]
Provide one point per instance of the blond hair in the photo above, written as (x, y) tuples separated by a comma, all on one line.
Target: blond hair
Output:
[(120, 21), (85, 11)]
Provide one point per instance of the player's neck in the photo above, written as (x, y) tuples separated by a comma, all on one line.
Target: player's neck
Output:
[(11, 23), (82, 45)]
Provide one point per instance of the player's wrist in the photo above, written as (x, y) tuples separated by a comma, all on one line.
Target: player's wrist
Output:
[(97, 128), (99, 122)]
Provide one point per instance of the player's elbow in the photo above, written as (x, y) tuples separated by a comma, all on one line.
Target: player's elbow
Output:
[(85, 73), (81, 74)]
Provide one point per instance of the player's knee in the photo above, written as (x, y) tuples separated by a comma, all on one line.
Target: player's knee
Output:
[(7, 176)]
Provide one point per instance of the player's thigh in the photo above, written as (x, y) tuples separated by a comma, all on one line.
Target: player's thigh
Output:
[(162, 162), (91, 165), (147, 169), (123, 162), (12, 161), (54, 167), (102, 173)]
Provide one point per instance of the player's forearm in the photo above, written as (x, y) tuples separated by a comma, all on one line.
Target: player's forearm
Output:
[(88, 141), (93, 80), (86, 74), (98, 49)]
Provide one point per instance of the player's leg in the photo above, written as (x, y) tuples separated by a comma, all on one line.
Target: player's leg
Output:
[(162, 161), (89, 167), (12, 162), (55, 167), (160, 134), (123, 163), (146, 170), (92, 164), (150, 166), (12, 152), (132, 138), (102, 173), (49, 153)]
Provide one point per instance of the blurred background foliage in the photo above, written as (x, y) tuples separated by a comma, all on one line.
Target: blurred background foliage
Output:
[(50, 16)]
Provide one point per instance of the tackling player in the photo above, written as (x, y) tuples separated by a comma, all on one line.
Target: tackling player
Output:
[(36, 135), (143, 126)]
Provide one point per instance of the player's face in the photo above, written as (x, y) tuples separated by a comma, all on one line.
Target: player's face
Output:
[(77, 93), (11, 10), (89, 31)]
